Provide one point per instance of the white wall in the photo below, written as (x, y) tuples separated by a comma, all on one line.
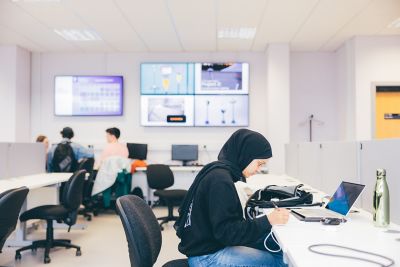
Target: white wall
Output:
[(14, 94), (92, 129), (377, 61), (313, 91), (7, 95), (345, 84), (23, 96), (278, 103)]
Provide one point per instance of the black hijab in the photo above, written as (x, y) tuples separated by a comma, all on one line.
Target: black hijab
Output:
[(242, 147)]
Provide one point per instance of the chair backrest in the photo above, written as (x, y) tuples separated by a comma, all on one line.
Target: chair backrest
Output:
[(73, 191), (141, 229), (159, 176), (86, 164), (11, 202)]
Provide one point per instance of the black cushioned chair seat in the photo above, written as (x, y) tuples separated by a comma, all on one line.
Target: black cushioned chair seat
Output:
[(47, 212), (177, 263), (174, 194)]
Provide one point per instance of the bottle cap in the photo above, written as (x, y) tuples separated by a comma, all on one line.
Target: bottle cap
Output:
[(380, 172)]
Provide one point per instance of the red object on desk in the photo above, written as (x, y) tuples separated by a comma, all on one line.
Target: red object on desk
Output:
[(137, 163)]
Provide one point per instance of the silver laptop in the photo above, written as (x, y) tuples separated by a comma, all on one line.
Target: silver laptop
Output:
[(338, 206)]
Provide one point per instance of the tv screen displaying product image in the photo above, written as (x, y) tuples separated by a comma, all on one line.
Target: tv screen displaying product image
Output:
[(221, 110), (222, 78), (167, 78), (88, 96), (174, 110)]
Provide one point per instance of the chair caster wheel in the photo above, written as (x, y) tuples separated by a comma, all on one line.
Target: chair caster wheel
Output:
[(78, 253), (17, 256), (47, 260)]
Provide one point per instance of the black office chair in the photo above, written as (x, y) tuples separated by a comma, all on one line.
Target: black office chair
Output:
[(87, 200), (11, 202), (66, 212), (160, 177), (142, 232)]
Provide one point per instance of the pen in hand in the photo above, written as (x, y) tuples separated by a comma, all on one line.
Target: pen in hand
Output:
[(278, 216)]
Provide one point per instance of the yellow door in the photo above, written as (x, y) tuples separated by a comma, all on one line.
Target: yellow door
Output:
[(387, 103)]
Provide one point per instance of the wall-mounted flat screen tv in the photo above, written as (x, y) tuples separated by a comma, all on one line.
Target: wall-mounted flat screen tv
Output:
[(221, 110), (194, 94), (167, 78), (88, 96), (222, 78), (168, 110)]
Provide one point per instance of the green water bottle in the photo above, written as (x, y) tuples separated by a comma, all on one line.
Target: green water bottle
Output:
[(381, 200)]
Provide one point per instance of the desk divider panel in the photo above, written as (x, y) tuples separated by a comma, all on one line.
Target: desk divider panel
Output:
[(26, 158), (381, 154), (339, 162), (325, 165), (292, 159), (3, 160), (309, 164)]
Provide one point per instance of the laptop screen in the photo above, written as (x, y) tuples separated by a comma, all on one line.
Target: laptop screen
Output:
[(344, 197)]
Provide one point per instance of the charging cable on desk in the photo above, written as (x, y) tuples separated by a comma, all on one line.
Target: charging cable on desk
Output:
[(312, 249)]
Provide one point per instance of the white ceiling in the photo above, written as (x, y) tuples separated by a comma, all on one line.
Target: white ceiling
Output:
[(191, 25)]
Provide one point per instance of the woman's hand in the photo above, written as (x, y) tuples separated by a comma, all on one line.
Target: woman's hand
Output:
[(278, 216)]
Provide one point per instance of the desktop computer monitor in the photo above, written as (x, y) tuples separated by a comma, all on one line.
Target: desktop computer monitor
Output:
[(137, 151), (185, 153)]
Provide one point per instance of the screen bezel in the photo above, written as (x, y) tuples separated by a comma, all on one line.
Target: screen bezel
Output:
[(195, 93), (122, 98)]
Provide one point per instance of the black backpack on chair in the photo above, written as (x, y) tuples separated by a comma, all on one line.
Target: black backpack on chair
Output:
[(64, 158), (281, 196)]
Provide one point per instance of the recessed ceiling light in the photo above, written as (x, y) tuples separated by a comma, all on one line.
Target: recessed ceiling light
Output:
[(78, 35), (237, 33), (395, 23), (35, 1)]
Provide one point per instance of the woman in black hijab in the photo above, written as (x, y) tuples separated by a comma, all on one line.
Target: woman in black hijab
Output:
[(211, 226)]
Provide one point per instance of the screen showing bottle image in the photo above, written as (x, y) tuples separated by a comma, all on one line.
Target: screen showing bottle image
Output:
[(344, 197), (167, 78)]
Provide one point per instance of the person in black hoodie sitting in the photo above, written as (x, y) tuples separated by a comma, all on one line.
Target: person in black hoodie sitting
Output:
[(211, 226)]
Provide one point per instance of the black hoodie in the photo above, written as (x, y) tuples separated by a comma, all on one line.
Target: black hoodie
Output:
[(211, 215)]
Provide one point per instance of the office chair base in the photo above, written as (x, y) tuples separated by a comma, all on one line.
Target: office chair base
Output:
[(48, 244)]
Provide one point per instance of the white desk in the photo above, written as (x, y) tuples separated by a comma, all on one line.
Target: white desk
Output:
[(359, 233), (32, 182), (184, 177)]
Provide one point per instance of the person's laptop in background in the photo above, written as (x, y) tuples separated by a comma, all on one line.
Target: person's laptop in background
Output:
[(338, 206)]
